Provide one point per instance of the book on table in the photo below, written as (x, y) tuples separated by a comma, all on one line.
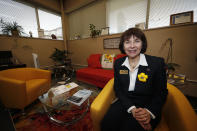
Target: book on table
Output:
[(79, 97)]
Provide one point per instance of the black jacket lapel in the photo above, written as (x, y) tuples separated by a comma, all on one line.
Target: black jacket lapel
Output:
[(140, 85), (124, 77)]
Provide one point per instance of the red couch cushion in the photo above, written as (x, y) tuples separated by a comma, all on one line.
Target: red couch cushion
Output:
[(94, 61), (94, 74), (98, 77)]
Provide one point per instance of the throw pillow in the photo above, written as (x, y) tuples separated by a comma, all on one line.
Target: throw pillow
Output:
[(107, 61), (94, 61)]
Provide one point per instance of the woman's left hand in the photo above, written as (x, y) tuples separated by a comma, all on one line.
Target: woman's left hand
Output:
[(146, 127)]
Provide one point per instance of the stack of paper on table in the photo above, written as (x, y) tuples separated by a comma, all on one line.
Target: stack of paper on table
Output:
[(79, 97), (62, 88)]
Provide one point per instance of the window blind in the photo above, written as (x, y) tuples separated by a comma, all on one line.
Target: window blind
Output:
[(160, 11), (123, 14)]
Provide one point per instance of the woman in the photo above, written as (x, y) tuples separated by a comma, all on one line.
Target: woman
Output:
[(139, 84)]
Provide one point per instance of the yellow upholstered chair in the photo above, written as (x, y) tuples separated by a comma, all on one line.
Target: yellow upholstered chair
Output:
[(177, 113), (21, 86)]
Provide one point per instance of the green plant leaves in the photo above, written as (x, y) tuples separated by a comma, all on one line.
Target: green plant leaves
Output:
[(93, 30), (59, 55), (172, 66), (8, 27)]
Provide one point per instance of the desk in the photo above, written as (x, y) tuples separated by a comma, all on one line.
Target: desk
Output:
[(6, 61), (10, 66), (188, 88)]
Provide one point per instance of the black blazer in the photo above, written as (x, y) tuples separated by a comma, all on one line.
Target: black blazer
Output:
[(150, 94)]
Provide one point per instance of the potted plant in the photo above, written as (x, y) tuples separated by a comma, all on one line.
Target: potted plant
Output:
[(170, 66), (93, 30), (59, 56), (12, 28)]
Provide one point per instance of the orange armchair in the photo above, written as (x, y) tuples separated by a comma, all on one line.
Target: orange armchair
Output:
[(177, 114), (21, 86)]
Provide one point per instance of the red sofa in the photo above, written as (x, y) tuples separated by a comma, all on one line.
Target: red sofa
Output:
[(94, 74)]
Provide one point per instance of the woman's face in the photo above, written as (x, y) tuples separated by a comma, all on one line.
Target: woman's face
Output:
[(133, 46)]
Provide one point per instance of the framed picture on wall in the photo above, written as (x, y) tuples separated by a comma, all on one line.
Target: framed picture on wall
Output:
[(181, 18), (105, 31), (111, 43)]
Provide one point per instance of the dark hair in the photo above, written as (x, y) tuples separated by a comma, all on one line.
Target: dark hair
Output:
[(135, 32)]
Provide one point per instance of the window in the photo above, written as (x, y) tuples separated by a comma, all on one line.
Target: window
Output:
[(50, 23), (160, 11), (24, 15), (123, 14)]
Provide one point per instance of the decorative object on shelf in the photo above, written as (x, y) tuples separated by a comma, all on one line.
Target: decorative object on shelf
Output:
[(111, 43), (59, 56), (77, 37), (140, 25), (105, 31), (30, 34), (93, 30), (53, 36), (11, 28), (171, 67), (181, 18), (176, 79), (40, 33)]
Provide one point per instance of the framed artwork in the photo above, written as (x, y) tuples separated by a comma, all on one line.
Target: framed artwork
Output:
[(111, 43), (181, 18), (105, 31)]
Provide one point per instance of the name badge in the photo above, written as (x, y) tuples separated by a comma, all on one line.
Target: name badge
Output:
[(123, 71)]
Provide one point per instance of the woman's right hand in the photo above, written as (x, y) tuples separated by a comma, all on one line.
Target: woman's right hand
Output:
[(143, 117)]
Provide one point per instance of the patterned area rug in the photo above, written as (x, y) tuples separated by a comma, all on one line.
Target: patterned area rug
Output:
[(36, 119)]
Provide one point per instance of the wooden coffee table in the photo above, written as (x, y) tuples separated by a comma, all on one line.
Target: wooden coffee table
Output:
[(59, 105)]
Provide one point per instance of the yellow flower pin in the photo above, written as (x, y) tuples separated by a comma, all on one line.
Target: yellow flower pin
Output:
[(142, 77)]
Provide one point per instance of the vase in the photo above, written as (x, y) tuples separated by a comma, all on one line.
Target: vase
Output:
[(15, 33)]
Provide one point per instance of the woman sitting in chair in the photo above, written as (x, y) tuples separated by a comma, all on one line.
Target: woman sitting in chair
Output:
[(140, 86)]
